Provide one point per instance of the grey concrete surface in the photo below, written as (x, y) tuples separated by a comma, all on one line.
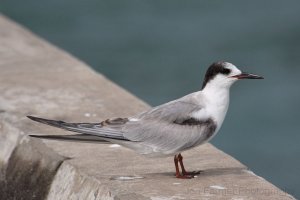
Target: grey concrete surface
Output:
[(39, 79)]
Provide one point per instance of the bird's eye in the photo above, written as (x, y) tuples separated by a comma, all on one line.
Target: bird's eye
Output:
[(226, 71)]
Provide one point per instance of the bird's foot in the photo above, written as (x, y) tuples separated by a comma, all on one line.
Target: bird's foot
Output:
[(193, 173), (184, 176)]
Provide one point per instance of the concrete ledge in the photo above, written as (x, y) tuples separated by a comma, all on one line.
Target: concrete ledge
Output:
[(39, 79)]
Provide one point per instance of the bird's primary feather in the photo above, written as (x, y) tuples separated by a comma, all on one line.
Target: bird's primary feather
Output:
[(95, 129), (73, 138)]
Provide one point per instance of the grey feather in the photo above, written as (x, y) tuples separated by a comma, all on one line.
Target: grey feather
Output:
[(173, 110), (164, 130), (96, 129), (73, 138)]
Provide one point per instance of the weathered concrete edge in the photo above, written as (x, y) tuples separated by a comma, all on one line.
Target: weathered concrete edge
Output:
[(93, 187)]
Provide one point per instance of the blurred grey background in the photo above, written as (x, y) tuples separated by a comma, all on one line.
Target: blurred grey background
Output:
[(159, 50)]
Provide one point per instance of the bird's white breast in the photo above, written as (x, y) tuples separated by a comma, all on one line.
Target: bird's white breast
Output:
[(215, 105)]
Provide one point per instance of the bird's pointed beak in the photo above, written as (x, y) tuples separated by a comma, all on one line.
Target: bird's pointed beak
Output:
[(245, 75)]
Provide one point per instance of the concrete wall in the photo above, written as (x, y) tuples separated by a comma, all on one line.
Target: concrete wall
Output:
[(39, 79)]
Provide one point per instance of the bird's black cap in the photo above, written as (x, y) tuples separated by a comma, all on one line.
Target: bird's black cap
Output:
[(213, 70)]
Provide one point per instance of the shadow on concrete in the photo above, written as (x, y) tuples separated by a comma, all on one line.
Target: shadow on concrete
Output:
[(28, 173), (204, 173)]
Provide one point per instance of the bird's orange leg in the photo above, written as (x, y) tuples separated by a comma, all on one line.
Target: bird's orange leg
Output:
[(184, 172), (178, 175)]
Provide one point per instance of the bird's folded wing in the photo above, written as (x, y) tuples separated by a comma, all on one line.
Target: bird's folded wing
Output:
[(170, 127)]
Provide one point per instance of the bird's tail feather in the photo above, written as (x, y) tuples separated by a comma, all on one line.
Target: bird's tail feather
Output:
[(73, 138), (90, 129)]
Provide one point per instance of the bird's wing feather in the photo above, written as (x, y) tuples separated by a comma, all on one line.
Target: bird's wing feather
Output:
[(73, 138), (170, 128), (107, 130)]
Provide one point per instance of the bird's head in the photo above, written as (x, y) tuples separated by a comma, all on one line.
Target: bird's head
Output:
[(224, 74)]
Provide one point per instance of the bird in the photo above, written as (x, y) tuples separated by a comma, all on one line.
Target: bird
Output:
[(168, 129)]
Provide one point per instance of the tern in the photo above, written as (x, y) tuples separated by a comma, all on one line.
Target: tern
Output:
[(168, 129)]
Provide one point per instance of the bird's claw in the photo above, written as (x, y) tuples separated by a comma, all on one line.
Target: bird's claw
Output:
[(193, 173), (188, 175), (185, 176)]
